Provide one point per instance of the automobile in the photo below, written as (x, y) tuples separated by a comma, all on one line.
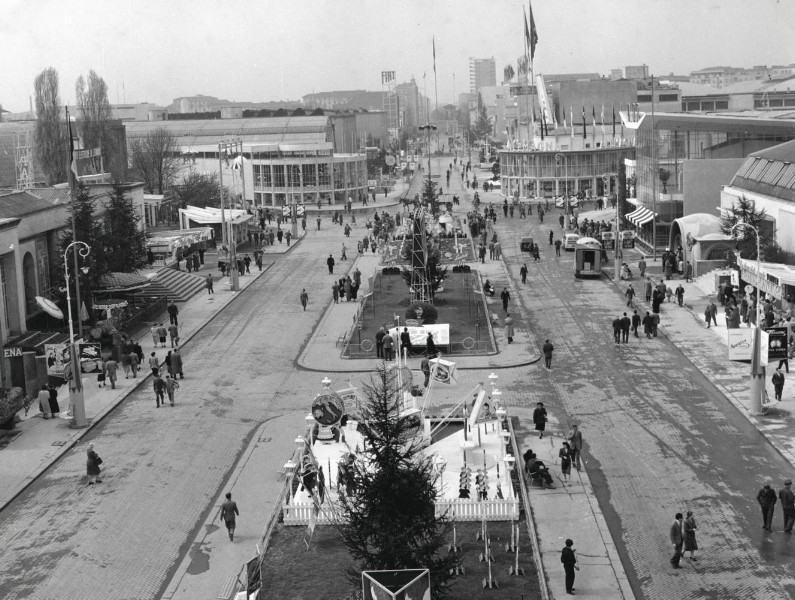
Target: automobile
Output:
[(570, 241), (573, 202)]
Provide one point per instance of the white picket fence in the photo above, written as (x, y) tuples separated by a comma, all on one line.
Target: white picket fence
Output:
[(458, 509)]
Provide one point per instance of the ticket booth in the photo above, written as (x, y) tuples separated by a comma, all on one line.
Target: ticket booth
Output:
[(587, 258)]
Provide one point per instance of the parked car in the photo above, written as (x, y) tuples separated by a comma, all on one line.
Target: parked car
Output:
[(570, 241)]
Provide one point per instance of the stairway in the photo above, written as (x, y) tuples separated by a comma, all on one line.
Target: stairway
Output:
[(179, 286)]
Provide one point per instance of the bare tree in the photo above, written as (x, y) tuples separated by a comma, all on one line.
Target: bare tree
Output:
[(154, 158), (94, 121), (51, 137)]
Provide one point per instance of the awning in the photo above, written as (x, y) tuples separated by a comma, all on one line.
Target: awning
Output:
[(640, 216)]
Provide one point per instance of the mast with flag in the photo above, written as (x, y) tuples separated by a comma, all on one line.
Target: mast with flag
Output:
[(530, 41), (435, 88)]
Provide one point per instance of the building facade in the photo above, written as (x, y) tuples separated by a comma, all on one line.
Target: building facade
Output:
[(482, 72)]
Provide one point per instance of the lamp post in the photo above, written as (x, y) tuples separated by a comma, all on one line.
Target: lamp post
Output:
[(427, 129), (757, 369), (606, 178), (76, 385), (225, 148), (562, 157)]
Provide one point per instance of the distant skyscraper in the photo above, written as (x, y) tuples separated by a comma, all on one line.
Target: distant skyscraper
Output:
[(482, 72)]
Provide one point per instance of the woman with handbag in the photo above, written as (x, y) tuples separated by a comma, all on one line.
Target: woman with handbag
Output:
[(93, 461)]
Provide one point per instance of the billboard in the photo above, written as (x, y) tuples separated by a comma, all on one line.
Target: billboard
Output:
[(419, 334), (740, 343)]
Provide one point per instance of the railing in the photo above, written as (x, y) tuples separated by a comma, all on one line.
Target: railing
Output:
[(366, 348), (464, 509)]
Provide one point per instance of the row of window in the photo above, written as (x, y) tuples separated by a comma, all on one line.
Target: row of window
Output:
[(345, 174)]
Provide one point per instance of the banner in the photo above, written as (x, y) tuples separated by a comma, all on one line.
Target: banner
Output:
[(740, 343), (627, 239), (57, 356), (609, 240), (776, 343)]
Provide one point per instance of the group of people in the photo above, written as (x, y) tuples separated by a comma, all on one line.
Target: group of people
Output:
[(683, 536), (347, 287), (767, 501)]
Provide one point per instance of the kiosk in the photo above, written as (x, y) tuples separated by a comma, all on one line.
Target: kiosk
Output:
[(587, 258)]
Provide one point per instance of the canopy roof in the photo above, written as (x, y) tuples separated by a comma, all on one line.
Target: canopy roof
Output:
[(212, 216), (178, 238)]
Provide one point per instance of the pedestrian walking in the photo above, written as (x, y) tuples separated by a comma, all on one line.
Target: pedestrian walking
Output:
[(155, 334), (389, 343), (626, 323), (617, 330), (208, 283), (318, 220), (379, 343), (330, 263), (93, 460), (547, 349), (176, 364), (540, 419), (679, 292), (154, 364), (630, 294), (565, 461), (335, 292), (569, 560), (688, 272), (124, 358), (161, 335), (509, 328), (344, 252), (44, 402), (228, 513), (778, 383), (642, 266), (135, 364), (648, 325), (505, 295), (523, 273), (787, 505), (430, 346), (767, 500), (425, 367), (173, 313), (173, 334), (558, 244), (689, 527), (551, 237), (159, 387), (304, 298), (53, 400), (171, 386), (575, 441), (112, 367), (635, 322), (677, 539), (648, 289)]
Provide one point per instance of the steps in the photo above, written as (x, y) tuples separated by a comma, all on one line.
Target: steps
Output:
[(179, 286)]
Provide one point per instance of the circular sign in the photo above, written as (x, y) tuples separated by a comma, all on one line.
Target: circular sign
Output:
[(328, 409), (390, 160), (749, 289)]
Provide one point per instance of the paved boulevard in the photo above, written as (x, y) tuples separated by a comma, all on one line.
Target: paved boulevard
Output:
[(659, 439)]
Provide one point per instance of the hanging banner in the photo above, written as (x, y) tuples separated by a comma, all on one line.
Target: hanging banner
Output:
[(777, 343)]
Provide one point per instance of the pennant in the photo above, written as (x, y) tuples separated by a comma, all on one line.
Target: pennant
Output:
[(584, 135), (533, 37), (72, 159), (614, 120)]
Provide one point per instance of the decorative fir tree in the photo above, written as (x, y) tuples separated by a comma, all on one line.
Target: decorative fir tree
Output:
[(123, 243), (744, 211), (389, 519)]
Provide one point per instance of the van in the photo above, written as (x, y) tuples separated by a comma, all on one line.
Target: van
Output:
[(570, 241)]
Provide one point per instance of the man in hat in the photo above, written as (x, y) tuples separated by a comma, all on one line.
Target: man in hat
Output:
[(767, 500), (787, 498)]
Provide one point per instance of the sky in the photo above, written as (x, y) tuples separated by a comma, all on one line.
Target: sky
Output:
[(262, 50)]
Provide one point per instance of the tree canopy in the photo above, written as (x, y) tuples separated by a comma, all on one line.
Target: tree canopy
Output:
[(51, 137), (94, 116), (123, 244), (483, 125), (154, 158)]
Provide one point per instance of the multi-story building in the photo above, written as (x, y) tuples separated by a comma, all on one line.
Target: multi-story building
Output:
[(482, 72), (683, 159), (410, 104), (723, 76), (286, 159), (773, 95)]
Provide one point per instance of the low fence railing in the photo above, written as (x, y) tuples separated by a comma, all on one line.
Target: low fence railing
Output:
[(462, 509), (366, 348)]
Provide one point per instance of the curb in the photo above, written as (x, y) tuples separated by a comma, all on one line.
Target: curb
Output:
[(79, 433)]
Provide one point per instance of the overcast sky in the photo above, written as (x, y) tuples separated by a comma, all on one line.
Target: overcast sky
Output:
[(258, 50)]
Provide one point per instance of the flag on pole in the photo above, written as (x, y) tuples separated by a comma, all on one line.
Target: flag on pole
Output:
[(434, 55), (72, 159), (614, 120), (532, 37), (542, 125), (571, 116), (603, 120), (584, 134)]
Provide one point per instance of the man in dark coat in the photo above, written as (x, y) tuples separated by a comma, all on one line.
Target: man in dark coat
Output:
[(379, 343), (617, 330), (778, 383), (648, 324), (430, 346), (506, 296), (330, 263), (173, 311), (635, 322), (569, 560), (547, 350), (788, 505), (626, 323), (767, 500), (677, 539), (540, 419), (405, 340)]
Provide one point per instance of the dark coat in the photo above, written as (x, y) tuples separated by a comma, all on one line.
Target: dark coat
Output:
[(92, 463), (540, 418)]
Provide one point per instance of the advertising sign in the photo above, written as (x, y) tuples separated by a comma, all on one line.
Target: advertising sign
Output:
[(419, 335), (764, 353), (57, 355), (627, 239), (740, 342), (90, 358), (735, 278), (777, 343), (609, 240)]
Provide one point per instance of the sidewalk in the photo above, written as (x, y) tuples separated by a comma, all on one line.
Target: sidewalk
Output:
[(41, 442)]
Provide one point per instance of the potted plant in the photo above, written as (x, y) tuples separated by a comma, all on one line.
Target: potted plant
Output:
[(665, 174)]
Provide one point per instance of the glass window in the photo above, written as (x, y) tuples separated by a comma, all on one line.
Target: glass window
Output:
[(308, 172), (278, 176), (324, 174), (267, 180)]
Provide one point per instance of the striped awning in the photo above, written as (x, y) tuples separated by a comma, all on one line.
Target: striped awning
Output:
[(640, 216)]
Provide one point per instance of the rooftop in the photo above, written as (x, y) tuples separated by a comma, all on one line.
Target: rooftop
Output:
[(770, 172)]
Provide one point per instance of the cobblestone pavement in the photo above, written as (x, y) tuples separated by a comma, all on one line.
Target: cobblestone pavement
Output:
[(660, 438), (163, 467)]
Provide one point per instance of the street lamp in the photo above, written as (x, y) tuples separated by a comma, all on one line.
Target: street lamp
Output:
[(77, 400), (757, 370), (225, 149), (562, 157), (427, 129), (618, 251)]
